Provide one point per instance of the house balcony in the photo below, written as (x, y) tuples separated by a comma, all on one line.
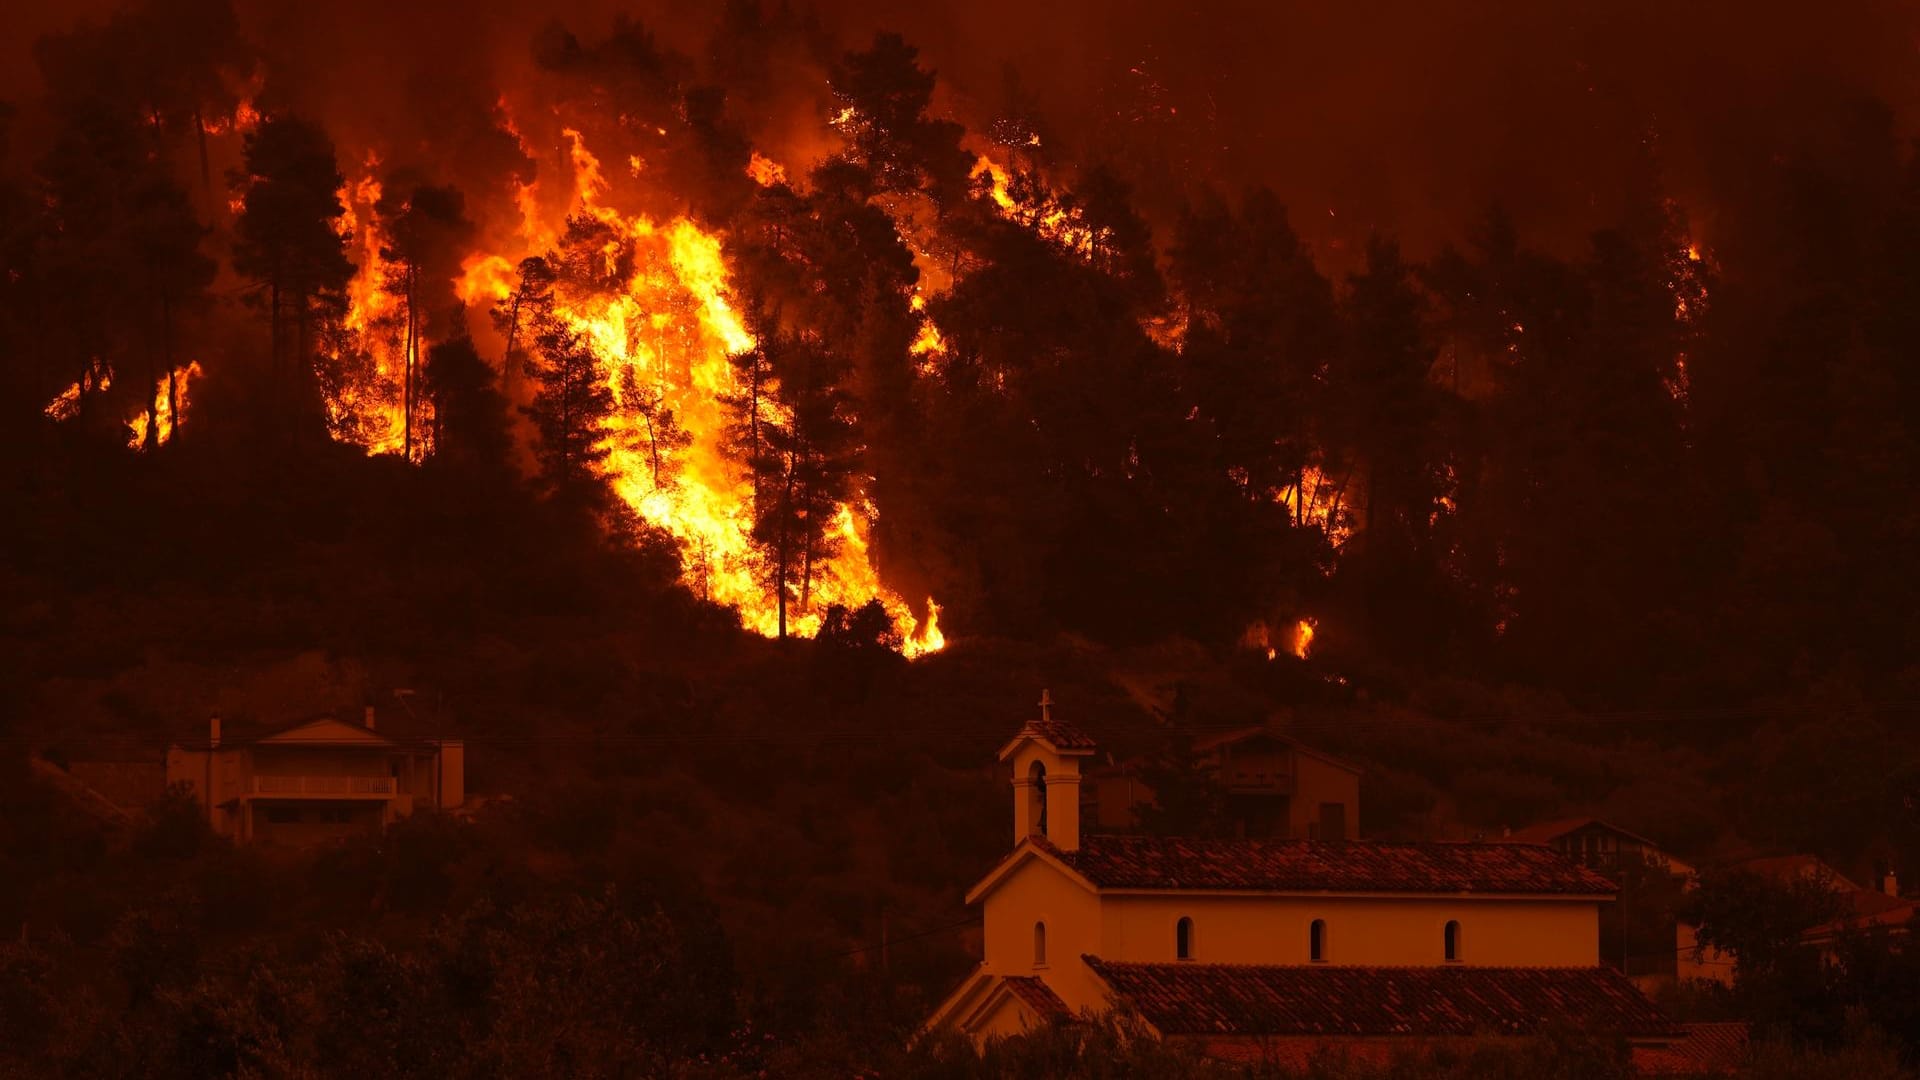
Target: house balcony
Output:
[(1260, 784), (324, 787)]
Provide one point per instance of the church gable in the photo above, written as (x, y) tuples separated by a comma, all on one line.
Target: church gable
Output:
[(1035, 852), (988, 1005)]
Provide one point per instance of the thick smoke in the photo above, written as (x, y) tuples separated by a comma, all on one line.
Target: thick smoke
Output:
[(1401, 116), (1405, 117)]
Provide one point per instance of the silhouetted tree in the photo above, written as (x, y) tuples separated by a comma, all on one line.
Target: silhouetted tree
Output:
[(427, 229), (803, 472), (532, 295), (570, 407), (470, 417), (887, 94), (285, 240)]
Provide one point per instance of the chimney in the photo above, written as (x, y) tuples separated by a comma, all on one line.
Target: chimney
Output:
[(213, 733), (368, 717), (1891, 884)]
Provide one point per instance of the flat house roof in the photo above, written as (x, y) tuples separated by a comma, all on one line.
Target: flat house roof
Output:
[(1357, 866), (1234, 1000)]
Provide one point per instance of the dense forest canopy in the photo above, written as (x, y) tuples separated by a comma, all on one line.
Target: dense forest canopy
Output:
[(729, 417)]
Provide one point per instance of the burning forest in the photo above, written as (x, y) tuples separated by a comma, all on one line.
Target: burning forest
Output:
[(535, 536)]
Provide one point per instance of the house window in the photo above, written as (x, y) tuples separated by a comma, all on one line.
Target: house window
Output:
[(1317, 941), (1451, 936), (1183, 939), (1039, 944)]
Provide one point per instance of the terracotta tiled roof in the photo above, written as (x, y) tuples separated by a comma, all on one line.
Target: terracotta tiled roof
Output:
[(1154, 862), (1060, 733), (1250, 1000), (1038, 996), (1714, 1049)]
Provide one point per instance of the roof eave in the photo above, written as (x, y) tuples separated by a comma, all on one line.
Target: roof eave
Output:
[(1019, 855), (1013, 746)]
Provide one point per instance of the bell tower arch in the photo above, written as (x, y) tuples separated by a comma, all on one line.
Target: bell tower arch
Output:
[(1045, 758)]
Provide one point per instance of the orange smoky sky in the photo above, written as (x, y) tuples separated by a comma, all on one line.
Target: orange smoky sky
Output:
[(1397, 115)]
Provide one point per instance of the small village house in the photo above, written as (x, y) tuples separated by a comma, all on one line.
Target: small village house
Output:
[(317, 780), (1862, 910), (1275, 785), (1600, 845)]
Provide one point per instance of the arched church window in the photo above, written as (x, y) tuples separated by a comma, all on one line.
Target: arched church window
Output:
[(1183, 939), (1037, 792)]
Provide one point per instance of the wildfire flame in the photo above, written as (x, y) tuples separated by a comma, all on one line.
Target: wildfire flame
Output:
[(1300, 641), (163, 412), (66, 404), (367, 405), (765, 171), (1318, 499), (663, 341), (1040, 210), (1295, 638)]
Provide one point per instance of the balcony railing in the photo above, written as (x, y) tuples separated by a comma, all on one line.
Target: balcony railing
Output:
[(1259, 784), (371, 786)]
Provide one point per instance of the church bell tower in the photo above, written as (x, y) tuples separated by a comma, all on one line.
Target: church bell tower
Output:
[(1045, 758)]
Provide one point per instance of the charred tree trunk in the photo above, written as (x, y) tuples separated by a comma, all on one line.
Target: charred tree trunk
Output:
[(411, 367), (783, 549), (151, 437), (753, 422), (506, 359), (653, 445), (809, 542), (166, 357), (300, 371), (206, 164), (273, 330)]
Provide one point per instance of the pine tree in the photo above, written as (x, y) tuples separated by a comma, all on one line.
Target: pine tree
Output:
[(287, 242), (571, 404), (427, 226), (803, 473), (470, 421)]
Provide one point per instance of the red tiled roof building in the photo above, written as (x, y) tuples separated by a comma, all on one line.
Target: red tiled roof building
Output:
[(1297, 944)]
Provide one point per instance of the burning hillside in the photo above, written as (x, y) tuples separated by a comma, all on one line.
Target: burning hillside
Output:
[(866, 353)]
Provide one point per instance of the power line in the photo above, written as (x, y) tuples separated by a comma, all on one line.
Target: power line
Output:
[(1002, 733)]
